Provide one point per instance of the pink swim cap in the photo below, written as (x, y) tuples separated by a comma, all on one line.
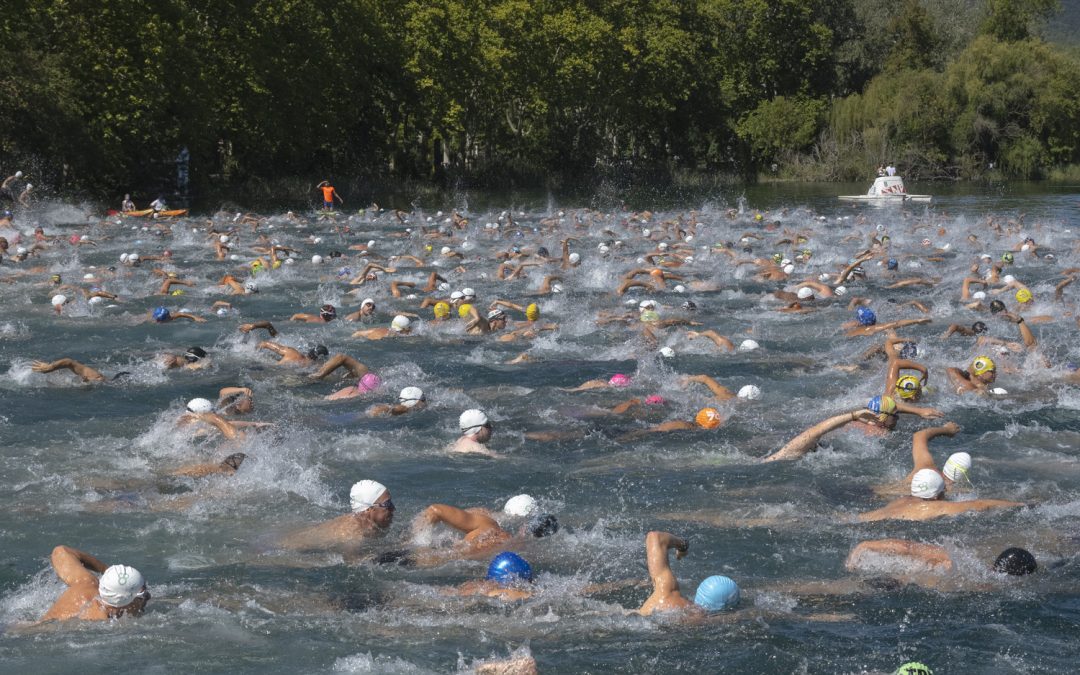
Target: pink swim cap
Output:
[(619, 380), (369, 382), (74, 239), (655, 399)]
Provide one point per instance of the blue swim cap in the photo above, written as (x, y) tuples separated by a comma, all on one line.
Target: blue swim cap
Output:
[(717, 593), (161, 314), (866, 316), (507, 568), (909, 350), (882, 404), (892, 264)]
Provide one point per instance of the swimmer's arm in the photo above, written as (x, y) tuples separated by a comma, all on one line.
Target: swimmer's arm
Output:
[(934, 556), (717, 339), (225, 392), (74, 567), (925, 413), (395, 287), (920, 445), (718, 390), (280, 350), (545, 287), (905, 364), (804, 442), (1059, 290), (657, 545), (221, 424), (459, 519), (190, 317), (202, 470), (248, 327), (630, 283), (506, 304), (87, 373), (1025, 332)]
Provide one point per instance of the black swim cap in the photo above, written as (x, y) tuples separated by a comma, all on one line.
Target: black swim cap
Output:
[(690, 305), (909, 350), (543, 525), (997, 306), (542, 252), (195, 353), (978, 327), (235, 460), (1016, 562), (318, 351)]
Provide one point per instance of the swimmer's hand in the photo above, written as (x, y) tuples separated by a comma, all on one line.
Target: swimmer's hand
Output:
[(931, 414), (682, 548)]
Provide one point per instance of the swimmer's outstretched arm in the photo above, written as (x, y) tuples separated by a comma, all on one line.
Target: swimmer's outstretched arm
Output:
[(248, 327), (355, 368), (221, 424), (1025, 332), (807, 440), (464, 521), (925, 413), (280, 350), (928, 554), (663, 427), (189, 317), (87, 373), (718, 390), (717, 339), (920, 445)]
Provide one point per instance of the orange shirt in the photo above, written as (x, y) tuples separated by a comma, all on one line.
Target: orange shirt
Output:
[(328, 193)]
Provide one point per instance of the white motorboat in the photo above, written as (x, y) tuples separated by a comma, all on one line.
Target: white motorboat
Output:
[(886, 190)]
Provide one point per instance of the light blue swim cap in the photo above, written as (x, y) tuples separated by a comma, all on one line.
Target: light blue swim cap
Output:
[(717, 593)]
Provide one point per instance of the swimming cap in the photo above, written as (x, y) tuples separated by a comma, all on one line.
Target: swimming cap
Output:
[(328, 312), (456, 295), (194, 354), (1006, 257), (866, 316), (542, 251), (708, 418), (882, 404), (199, 405), (369, 382), (927, 484), (654, 399), (18, 174), (556, 288), (59, 299), (445, 250), (978, 295), (619, 380), (913, 668), (542, 525), (410, 396), (996, 306), (177, 291), (999, 391), (892, 264), (840, 290), (667, 352), (757, 216), (908, 387), (646, 304), (318, 351), (689, 305), (1023, 295), (366, 302), (750, 392), (574, 258), (777, 258), (789, 268), (1015, 561), (956, 466), (520, 505), (251, 287), (982, 364), (496, 314), (315, 260), (120, 585), (442, 310), (400, 323), (805, 293), (717, 593), (468, 293), (96, 300), (532, 312), (507, 568), (649, 316), (748, 346), (472, 421), (463, 310), (224, 239), (679, 288), (364, 494), (909, 350), (161, 314)]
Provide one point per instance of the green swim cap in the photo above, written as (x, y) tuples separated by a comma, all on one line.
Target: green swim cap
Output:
[(914, 668)]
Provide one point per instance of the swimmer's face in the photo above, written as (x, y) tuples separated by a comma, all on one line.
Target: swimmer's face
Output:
[(367, 310), (242, 406), (498, 323), (382, 512), (887, 421), (988, 377), (484, 435), (133, 608)]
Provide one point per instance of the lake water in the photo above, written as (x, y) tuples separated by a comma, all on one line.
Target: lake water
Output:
[(84, 465)]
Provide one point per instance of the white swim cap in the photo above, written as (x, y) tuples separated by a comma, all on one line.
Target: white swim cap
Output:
[(679, 289), (366, 302), (957, 465), (288, 261), (667, 352), (133, 257), (445, 250), (123, 257), (823, 277), (927, 484), (646, 232), (1008, 278), (556, 288), (662, 246), (468, 293), (688, 259), (29, 186), (400, 323), (96, 300), (604, 248), (1025, 247), (574, 258), (784, 262), (688, 238), (235, 257), (58, 299), (789, 268), (520, 505), (999, 391), (120, 585), (199, 405), (840, 290), (21, 250), (316, 259), (750, 392), (18, 174), (370, 243), (444, 286), (457, 295), (364, 494), (88, 275), (471, 421), (224, 239), (647, 304), (748, 346), (251, 287), (410, 396), (978, 295), (805, 293)]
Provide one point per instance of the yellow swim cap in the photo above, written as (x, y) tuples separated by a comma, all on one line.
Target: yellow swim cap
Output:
[(1023, 295), (177, 291), (708, 418), (982, 364), (463, 310), (532, 312), (758, 216), (908, 387), (442, 310), (276, 264), (649, 316)]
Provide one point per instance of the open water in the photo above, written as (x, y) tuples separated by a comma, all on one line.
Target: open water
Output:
[(83, 465)]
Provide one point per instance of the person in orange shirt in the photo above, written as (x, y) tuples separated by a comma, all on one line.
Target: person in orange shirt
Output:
[(329, 194)]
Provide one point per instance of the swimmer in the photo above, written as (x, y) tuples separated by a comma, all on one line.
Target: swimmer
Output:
[(327, 313), (411, 399), (227, 466), (980, 375), (120, 591), (366, 384), (354, 369), (367, 310), (865, 323), (371, 515), (706, 418), (86, 373), (476, 431), (195, 358), (926, 502), (400, 326), (163, 315), (508, 577), (714, 594), (292, 357), (956, 467)]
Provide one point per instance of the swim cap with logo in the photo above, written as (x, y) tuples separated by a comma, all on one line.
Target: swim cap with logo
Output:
[(400, 323), (468, 293), (1023, 295), (364, 494), (532, 312), (865, 316), (442, 310), (1016, 562), (882, 404), (120, 585), (913, 668), (508, 568), (496, 314), (927, 484), (957, 466), (194, 354), (982, 364), (472, 421), (908, 387), (717, 593), (840, 290), (369, 382), (410, 396), (1006, 257), (520, 505), (708, 418), (463, 310)]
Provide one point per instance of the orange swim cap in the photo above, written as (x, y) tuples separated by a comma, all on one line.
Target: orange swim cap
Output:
[(708, 418)]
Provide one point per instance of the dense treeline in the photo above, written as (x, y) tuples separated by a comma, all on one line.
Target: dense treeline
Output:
[(104, 93)]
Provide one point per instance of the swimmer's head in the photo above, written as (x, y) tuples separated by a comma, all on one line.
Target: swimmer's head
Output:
[(543, 252), (542, 525), (927, 484), (574, 258), (194, 354), (708, 418), (468, 294), (619, 380), (411, 397), (121, 586), (892, 264), (978, 328), (328, 312), (367, 306), (689, 305), (463, 310), (365, 494), (1016, 562), (908, 387), (199, 406), (909, 350), (777, 258), (996, 306), (520, 505), (914, 668), (442, 310), (496, 315), (716, 594), (400, 324), (473, 422), (865, 316), (957, 466), (805, 293), (318, 352), (748, 345), (982, 365), (369, 382), (532, 312), (1023, 295), (654, 399), (161, 314), (667, 352), (750, 392), (508, 568), (1007, 258)]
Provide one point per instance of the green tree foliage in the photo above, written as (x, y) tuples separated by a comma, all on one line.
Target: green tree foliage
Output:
[(1012, 20)]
